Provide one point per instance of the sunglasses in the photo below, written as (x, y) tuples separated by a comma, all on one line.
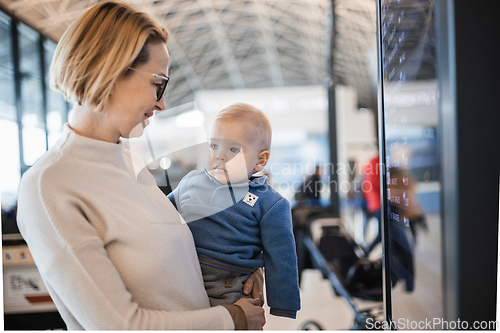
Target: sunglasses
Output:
[(160, 88)]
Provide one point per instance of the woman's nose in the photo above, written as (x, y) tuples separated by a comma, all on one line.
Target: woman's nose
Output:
[(160, 105)]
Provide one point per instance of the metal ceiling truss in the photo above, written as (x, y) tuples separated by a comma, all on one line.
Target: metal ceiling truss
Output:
[(354, 38), (233, 44)]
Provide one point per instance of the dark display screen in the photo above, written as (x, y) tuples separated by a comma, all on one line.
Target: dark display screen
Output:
[(410, 134)]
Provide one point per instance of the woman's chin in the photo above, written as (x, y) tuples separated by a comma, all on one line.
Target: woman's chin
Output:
[(137, 131)]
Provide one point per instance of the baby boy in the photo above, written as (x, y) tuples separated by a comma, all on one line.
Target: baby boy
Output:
[(237, 220)]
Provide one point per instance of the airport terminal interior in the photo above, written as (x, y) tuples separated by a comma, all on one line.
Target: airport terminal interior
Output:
[(366, 139)]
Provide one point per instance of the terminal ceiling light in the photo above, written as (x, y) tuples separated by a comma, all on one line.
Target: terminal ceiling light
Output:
[(193, 118)]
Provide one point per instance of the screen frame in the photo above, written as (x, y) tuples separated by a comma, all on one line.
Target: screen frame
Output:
[(447, 124), (383, 181), (465, 142), (446, 64)]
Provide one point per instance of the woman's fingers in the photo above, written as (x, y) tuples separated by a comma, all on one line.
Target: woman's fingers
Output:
[(254, 301), (253, 312)]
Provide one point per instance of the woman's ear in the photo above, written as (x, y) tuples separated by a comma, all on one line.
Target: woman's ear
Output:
[(262, 160)]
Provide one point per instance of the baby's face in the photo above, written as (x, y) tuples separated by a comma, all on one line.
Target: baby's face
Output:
[(233, 151)]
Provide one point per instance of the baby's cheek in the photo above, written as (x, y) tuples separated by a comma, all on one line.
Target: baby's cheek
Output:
[(237, 169)]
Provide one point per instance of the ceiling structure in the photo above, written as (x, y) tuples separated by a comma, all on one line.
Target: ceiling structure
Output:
[(354, 48), (237, 44)]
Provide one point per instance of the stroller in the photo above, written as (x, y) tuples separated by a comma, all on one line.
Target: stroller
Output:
[(323, 244)]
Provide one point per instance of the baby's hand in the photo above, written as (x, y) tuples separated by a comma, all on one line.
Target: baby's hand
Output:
[(255, 285)]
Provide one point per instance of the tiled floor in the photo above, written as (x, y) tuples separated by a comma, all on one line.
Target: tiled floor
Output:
[(319, 304), (331, 312)]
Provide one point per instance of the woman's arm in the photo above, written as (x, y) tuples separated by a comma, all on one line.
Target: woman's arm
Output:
[(253, 313), (85, 285)]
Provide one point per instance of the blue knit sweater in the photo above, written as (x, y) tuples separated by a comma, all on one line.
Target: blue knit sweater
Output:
[(240, 228)]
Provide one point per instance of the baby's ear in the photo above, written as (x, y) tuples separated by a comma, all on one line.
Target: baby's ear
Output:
[(262, 160)]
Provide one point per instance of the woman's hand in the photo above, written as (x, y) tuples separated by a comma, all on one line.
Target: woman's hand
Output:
[(254, 314), (255, 285)]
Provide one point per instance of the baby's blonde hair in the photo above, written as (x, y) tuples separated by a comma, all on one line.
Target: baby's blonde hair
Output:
[(100, 46), (261, 126)]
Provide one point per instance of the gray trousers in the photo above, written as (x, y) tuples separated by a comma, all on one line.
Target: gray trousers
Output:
[(223, 287)]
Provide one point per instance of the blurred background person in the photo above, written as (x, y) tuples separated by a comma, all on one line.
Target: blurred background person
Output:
[(309, 192), (370, 193)]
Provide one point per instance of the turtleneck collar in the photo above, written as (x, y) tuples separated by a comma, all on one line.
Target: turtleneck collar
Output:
[(90, 149)]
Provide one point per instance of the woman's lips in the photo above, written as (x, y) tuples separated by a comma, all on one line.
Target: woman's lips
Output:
[(147, 115)]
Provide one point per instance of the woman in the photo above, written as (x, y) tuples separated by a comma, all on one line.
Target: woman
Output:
[(112, 251)]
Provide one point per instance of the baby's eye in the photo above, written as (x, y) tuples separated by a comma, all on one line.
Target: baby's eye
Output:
[(213, 146), (234, 150)]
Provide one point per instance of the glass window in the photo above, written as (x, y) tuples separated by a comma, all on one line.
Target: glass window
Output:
[(7, 88), (9, 143), (10, 171), (56, 116), (49, 47), (34, 144), (33, 118), (413, 185), (56, 106), (30, 51)]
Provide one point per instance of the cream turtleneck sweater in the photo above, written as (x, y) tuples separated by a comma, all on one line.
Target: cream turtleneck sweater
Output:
[(110, 247)]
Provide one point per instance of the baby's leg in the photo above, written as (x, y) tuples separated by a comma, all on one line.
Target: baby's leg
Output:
[(223, 286)]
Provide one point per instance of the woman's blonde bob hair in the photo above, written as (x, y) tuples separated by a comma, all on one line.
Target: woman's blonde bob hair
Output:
[(104, 43)]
